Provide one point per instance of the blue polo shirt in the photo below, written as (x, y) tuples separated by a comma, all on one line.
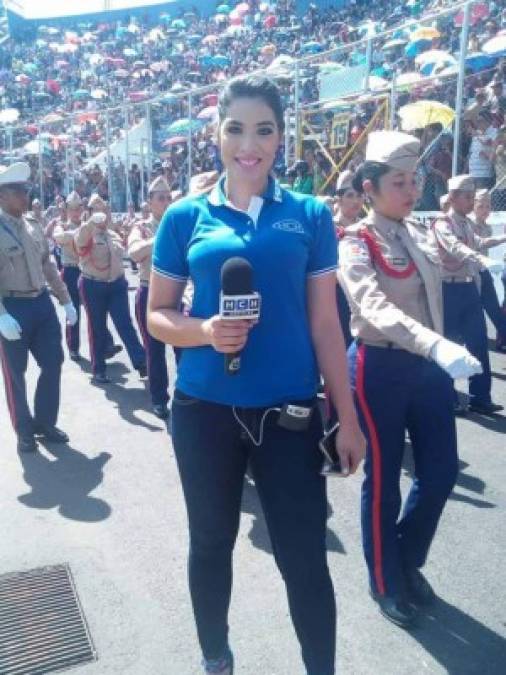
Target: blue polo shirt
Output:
[(287, 238)]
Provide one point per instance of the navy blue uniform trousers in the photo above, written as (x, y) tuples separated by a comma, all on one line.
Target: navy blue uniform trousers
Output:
[(397, 391), (101, 298), (70, 276), (155, 352), (491, 305), (40, 336), (464, 322), (212, 458)]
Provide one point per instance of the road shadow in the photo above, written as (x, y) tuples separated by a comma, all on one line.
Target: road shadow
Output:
[(498, 376), (259, 534), (465, 481), (461, 644), (495, 423), (65, 483), (128, 400)]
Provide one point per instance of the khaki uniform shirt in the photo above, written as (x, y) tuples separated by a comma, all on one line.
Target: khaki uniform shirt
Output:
[(100, 252), (459, 247), (25, 263), (140, 245), (63, 235), (404, 312)]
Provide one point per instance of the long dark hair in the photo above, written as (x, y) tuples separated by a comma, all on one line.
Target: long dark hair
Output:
[(252, 86)]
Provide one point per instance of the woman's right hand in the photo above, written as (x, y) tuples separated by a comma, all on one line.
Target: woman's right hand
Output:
[(227, 337)]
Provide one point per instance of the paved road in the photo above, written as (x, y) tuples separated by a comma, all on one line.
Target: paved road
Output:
[(110, 504)]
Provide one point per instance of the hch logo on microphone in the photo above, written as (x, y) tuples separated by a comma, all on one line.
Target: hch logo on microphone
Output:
[(240, 306)]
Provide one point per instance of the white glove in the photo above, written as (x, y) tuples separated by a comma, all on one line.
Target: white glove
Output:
[(9, 327), (493, 266), (71, 314), (455, 360)]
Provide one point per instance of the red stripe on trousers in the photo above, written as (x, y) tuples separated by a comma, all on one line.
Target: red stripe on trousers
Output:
[(8, 388), (376, 472), (80, 283)]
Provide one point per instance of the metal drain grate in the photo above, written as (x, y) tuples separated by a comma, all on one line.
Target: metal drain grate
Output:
[(42, 626)]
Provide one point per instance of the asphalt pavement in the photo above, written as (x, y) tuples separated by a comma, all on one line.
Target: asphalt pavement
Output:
[(110, 504)]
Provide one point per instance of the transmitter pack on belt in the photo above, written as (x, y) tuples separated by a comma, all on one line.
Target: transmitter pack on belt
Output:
[(295, 417)]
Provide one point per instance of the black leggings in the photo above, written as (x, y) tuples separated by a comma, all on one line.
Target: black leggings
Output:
[(212, 456)]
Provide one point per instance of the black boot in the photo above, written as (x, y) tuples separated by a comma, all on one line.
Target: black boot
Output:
[(395, 609), (418, 589)]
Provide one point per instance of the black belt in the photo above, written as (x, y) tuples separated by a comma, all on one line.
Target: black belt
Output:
[(458, 280), (22, 294), (385, 345), (71, 267)]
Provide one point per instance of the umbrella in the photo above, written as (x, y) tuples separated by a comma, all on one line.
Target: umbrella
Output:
[(376, 83), (81, 94), (128, 51), (406, 79), (270, 21), (423, 113), (210, 39), (210, 99), (496, 46), (208, 113), (449, 70), (136, 96), (9, 115), (221, 18), (193, 38), (268, 49), (183, 126), (480, 61), (30, 68), (223, 9), (414, 48), (22, 79), (394, 44), (175, 140), (427, 61), (220, 60), (177, 87), (243, 8), (311, 47), (145, 72), (96, 59), (98, 94), (159, 66), (121, 73), (62, 64), (169, 99), (139, 64), (281, 61), (52, 118), (178, 23), (425, 33), (478, 11)]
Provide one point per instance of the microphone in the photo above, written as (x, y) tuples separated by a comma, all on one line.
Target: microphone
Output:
[(237, 300)]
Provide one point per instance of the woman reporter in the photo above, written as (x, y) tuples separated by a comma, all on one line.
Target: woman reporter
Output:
[(220, 423)]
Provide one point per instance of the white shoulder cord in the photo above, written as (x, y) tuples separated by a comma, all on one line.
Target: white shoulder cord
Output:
[(262, 422)]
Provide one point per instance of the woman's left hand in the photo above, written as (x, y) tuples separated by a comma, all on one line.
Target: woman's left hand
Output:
[(350, 446)]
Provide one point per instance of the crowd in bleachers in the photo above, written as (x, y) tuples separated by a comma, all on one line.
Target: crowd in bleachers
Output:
[(89, 68)]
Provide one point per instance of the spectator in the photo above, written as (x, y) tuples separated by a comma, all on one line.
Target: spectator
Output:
[(481, 166), (304, 182)]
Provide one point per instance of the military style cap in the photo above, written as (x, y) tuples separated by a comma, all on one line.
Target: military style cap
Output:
[(482, 196), (394, 148), (19, 172), (159, 184), (96, 202), (464, 182), (203, 183), (344, 182), (74, 200)]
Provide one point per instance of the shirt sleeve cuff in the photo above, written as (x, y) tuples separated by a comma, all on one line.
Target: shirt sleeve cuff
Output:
[(169, 275), (319, 273)]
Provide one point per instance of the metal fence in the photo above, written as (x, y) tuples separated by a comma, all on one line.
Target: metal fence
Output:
[(332, 99)]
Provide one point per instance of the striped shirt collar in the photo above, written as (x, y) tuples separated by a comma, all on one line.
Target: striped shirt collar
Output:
[(273, 192)]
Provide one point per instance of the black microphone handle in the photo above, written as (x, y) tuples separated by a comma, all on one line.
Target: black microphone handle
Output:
[(232, 363)]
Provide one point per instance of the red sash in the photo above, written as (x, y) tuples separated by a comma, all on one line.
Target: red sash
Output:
[(378, 257)]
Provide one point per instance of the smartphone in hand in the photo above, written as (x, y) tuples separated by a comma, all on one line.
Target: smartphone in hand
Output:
[(331, 461)]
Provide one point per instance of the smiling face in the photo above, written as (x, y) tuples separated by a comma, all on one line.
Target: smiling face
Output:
[(248, 138), (396, 195)]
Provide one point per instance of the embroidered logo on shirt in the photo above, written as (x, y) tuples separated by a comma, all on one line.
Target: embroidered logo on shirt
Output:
[(289, 226), (354, 253)]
